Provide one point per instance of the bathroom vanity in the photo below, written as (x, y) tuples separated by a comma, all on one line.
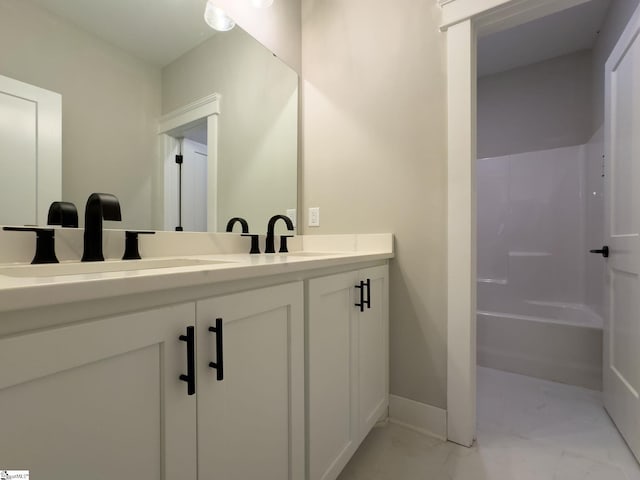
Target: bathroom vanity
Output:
[(225, 365)]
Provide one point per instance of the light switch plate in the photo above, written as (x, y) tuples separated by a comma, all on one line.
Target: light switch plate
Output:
[(291, 213), (314, 217)]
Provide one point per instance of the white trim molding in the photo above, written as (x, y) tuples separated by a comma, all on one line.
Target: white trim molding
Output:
[(464, 21), (418, 416), (461, 234), (495, 15), (192, 112)]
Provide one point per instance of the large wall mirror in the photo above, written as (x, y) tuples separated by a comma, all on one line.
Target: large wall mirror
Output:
[(141, 81)]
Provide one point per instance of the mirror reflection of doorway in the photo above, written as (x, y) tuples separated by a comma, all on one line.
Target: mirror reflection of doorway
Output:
[(190, 188), (186, 171)]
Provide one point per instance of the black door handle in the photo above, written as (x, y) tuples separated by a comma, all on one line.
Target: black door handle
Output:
[(604, 251), (362, 301), (190, 377), (362, 287), (219, 363), (368, 300)]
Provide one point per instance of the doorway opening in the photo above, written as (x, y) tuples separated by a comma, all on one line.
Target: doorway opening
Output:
[(540, 197), (465, 23), (540, 209)]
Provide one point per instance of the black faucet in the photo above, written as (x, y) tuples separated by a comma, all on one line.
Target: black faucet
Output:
[(99, 206), (270, 245)]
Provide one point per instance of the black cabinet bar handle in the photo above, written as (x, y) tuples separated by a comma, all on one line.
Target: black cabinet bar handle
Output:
[(190, 377), (219, 363), (368, 300), (362, 302)]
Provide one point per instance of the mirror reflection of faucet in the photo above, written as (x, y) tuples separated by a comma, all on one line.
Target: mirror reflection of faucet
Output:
[(64, 214), (255, 247)]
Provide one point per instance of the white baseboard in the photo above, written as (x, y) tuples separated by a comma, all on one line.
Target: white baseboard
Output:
[(418, 416)]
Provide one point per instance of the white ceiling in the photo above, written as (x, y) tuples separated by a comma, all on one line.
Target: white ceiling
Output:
[(157, 31), (548, 37)]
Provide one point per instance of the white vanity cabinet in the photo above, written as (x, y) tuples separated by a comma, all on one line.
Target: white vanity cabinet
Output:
[(103, 397), (275, 377), (347, 365), (100, 399), (251, 406)]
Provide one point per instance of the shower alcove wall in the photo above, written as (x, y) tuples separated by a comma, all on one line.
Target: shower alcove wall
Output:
[(539, 211)]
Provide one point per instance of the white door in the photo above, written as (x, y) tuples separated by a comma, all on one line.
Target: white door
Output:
[(100, 400), (622, 152), (30, 152), (251, 406)]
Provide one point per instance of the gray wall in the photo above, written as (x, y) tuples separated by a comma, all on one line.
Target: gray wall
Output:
[(110, 106), (277, 27), (375, 160), (536, 107)]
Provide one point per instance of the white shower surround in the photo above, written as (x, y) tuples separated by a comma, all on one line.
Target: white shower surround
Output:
[(539, 291)]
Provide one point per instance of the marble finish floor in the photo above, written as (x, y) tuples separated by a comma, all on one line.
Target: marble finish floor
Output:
[(528, 429)]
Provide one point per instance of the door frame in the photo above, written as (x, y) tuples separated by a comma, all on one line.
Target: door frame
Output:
[(206, 108), (463, 21)]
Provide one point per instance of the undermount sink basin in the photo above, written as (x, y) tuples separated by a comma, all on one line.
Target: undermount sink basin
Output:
[(78, 268), (311, 254)]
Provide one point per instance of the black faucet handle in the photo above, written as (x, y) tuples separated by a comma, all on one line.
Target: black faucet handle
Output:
[(131, 251), (255, 246), (45, 243), (283, 243)]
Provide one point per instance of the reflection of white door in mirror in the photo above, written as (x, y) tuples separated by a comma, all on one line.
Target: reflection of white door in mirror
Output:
[(194, 185), (191, 130), (188, 184), (30, 152)]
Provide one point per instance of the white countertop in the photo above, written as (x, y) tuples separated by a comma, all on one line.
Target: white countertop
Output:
[(24, 291)]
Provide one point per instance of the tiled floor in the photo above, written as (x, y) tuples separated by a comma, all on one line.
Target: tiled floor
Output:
[(528, 429)]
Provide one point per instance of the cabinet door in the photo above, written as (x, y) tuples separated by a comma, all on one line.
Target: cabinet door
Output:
[(251, 423), (100, 399), (332, 372), (373, 351)]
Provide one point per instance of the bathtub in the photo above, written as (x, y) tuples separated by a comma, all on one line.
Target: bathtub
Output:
[(561, 342)]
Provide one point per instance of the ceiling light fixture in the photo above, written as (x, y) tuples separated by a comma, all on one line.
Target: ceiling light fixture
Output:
[(217, 19), (261, 3)]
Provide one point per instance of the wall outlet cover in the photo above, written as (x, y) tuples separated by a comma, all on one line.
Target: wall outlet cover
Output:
[(314, 217)]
